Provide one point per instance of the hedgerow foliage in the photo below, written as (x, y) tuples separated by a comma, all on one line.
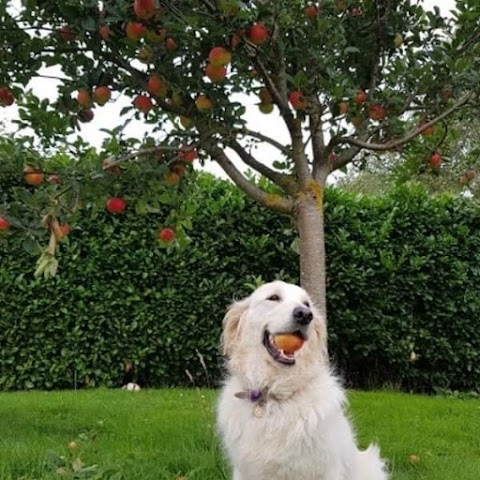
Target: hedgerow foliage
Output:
[(403, 272)]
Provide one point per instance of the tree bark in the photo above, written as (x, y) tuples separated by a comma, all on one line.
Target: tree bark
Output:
[(310, 226)]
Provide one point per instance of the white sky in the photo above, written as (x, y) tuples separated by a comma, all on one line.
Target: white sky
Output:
[(108, 115)]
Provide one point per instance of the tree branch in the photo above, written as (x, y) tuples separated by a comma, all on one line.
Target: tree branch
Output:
[(264, 138), (278, 178), (410, 135), (274, 202)]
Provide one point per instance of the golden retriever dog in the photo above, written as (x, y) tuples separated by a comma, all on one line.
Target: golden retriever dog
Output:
[(281, 411)]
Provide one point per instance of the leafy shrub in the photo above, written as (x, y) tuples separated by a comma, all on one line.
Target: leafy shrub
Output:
[(402, 293)]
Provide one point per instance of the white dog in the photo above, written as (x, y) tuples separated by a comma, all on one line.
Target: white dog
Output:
[(281, 414)]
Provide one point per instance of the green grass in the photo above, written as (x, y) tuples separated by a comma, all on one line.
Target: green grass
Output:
[(169, 434)]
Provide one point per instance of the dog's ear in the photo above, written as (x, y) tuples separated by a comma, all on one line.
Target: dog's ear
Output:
[(231, 324)]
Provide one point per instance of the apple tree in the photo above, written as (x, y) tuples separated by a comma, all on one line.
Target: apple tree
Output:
[(345, 78)]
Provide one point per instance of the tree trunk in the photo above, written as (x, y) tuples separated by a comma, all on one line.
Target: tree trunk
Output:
[(310, 227)]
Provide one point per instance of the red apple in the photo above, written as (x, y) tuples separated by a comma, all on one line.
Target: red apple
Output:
[(435, 160), (102, 95), (356, 12), (83, 98), (157, 86), (4, 224), (143, 103), (215, 74), (187, 154), (361, 97), (6, 97), (297, 100), (376, 112), (116, 205), (170, 44), (219, 56), (64, 230), (203, 103), (32, 176), (258, 33), (343, 108), (85, 115), (135, 30), (166, 235), (311, 12), (144, 9), (66, 33), (104, 32)]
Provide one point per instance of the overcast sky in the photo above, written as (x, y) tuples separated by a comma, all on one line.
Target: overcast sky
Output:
[(107, 116)]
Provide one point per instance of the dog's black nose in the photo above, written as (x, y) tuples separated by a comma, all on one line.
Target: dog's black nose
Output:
[(302, 315)]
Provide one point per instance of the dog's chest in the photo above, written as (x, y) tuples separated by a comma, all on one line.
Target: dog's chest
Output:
[(282, 440)]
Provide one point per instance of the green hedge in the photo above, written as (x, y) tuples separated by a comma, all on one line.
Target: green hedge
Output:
[(402, 283)]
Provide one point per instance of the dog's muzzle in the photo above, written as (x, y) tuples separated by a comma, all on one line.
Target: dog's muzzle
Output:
[(279, 355)]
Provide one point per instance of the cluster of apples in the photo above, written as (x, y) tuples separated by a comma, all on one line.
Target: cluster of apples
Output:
[(85, 99)]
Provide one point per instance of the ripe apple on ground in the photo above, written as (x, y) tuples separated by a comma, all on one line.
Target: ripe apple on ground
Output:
[(32, 176), (102, 95), (166, 235), (143, 103), (116, 205), (258, 33)]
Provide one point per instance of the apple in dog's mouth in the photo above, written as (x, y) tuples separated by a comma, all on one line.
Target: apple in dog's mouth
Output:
[(282, 346)]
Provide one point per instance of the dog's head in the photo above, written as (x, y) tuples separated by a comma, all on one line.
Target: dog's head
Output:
[(275, 315)]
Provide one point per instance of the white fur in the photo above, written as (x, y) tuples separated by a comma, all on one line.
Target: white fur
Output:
[(303, 433)]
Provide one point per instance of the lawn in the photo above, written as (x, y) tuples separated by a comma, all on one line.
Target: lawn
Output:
[(169, 434)]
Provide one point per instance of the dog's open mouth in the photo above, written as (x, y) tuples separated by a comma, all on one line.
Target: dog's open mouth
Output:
[(278, 354)]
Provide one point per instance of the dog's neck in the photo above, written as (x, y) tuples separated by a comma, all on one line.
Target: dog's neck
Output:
[(271, 381)]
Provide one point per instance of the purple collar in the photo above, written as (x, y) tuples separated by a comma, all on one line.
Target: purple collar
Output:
[(255, 396)]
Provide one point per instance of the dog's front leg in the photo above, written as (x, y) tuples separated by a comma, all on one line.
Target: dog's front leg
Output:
[(237, 475)]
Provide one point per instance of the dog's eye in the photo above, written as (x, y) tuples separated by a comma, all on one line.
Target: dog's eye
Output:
[(307, 304), (274, 298)]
